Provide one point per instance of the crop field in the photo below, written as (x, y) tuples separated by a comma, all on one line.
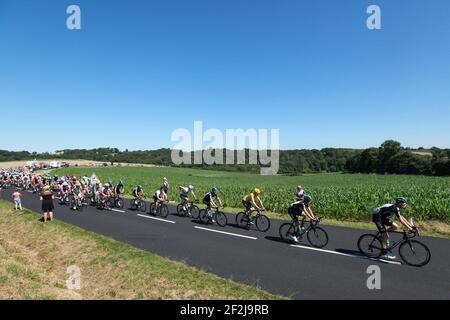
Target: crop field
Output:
[(350, 197)]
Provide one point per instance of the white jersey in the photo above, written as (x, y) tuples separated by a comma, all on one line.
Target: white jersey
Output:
[(184, 191)]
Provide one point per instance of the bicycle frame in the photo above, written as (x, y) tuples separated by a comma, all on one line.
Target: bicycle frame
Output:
[(406, 237)]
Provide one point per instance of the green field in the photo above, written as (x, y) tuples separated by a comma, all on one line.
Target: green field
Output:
[(350, 197)]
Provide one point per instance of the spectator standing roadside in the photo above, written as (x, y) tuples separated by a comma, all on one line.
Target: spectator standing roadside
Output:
[(17, 197), (47, 198)]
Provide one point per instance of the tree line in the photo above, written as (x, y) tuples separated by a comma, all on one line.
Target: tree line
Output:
[(389, 158)]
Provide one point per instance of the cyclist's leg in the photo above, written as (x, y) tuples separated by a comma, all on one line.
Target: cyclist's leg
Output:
[(382, 229), (294, 219), (392, 227)]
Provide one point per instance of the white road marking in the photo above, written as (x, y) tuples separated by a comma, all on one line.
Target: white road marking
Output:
[(163, 220), (121, 211), (345, 254), (228, 233)]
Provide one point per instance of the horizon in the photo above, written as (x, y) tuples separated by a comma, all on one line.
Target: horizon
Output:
[(424, 149)]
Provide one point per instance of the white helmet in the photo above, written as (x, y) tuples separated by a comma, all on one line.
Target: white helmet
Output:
[(299, 188), (191, 187)]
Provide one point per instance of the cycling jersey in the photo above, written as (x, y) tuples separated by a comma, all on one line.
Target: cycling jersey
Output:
[(296, 209), (184, 191), (209, 197), (119, 188), (136, 192), (387, 210), (157, 194), (250, 198)]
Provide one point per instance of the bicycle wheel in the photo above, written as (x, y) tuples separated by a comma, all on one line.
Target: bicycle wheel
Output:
[(286, 231), (164, 210), (112, 202), (242, 220), (263, 223), (152, 209), (181, 211), (203, 216), (221, 219), (317, 237), (370, 245), (195, 212), (415, 253), (120, 203), (142, 206)]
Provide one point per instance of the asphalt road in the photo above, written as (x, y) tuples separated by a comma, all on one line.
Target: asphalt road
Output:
[(262, 259)]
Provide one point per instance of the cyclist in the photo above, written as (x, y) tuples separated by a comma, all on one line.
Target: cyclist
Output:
[(209, 198), (381, 219), (250, 200), (78, 191), (159, 197), (184, 195), (138, 192), (105, 194), (118, 190), (303, 209), (65, 189)]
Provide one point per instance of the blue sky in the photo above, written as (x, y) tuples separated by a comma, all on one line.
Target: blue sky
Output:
[(138, 70)]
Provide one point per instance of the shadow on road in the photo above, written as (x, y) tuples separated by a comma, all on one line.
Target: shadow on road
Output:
[(347, 251), (279, 240)]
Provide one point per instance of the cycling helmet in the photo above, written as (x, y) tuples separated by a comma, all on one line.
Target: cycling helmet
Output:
[(46, 188), (399, 200), (191, 187), (139, 188), (307, 198), (214, 190), (299, 188), (257, 191)]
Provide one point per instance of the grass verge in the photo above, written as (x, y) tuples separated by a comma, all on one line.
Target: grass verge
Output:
[(34, 258)]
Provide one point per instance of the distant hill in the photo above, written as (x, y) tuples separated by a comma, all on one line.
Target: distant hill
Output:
[(390, 157)]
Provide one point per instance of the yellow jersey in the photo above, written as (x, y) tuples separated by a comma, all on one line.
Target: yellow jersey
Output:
[(251, 198)]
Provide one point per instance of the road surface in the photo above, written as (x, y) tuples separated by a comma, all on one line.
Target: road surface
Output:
[(262, 259)]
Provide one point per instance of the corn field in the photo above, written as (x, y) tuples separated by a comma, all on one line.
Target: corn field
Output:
[(340, 196)]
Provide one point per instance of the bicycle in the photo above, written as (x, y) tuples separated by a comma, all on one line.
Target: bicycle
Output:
[(245, 220), (161, 210), (76, 203), (371, 246), (317, 236), (188, 209), (116, 202), (139, 204), (211, 216), (64, 199), (103, 204)]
